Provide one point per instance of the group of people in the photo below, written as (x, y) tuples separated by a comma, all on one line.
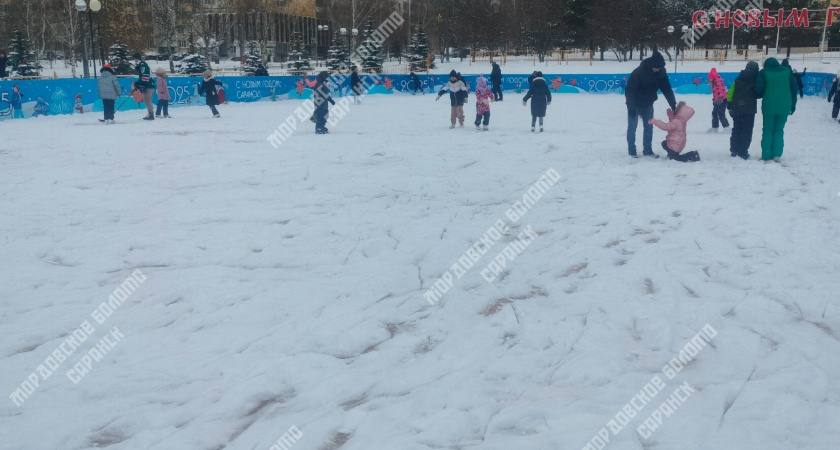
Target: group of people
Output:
[(775, 84)]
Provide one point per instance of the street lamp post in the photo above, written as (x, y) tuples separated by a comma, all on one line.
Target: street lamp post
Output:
[(81, 6), (355, 32), (671, 30), (326, 29)]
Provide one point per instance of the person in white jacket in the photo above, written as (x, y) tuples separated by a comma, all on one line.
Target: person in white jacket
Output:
[(458, 94)]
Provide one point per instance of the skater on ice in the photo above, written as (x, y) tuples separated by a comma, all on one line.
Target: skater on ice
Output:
[(145, 84), (540, 96), (641, 93), (718, 102), (210, 91), (321, 97), (742, 102), (17, 102), (777, 89), (458, 94), (677, 137), (418, 85), (496, 79), (356, 85), (834, 94), (162, 93), (483, 97), (109, 91)]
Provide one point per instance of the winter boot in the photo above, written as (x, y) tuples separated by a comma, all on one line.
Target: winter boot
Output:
[(485, 128), (477, 128), (149, 117), (533, 129), (712, 130), (541, 129), (452, 126)]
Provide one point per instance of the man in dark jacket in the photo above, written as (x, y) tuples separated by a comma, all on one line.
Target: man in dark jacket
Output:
[(834, 94), (356, 85), (496, 80), (642, 87), (321, 96), (742, 102), (3, 62), (418, 85), (145, 84)]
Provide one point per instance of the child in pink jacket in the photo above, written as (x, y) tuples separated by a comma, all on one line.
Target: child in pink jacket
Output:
[(162, 93), (719, 94), (483, 97), (675, 142)]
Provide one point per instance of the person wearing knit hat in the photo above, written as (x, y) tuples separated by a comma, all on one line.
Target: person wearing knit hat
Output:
[(641, 93), (834, 93), (458, 94), (210, 92), (145, 84), (109, 90), (162, 93), (483, 97)]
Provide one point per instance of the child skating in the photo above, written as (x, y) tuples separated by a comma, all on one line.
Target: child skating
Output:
[(109, 91), (742, 102), (718, 102), (211, 93), (458, 94), (162, 93), (675, 142), (17, 103), (540, 97), (483, 97)]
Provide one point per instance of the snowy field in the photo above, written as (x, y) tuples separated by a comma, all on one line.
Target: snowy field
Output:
[(285, 288)]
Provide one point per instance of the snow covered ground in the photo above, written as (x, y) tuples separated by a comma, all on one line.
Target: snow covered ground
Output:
[(285, 287)]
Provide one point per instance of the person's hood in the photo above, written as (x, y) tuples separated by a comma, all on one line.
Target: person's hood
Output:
[(713, 74), (323, 75), (453, 74), (786, 62), (771, 63), (686, 113), (656, 61), (750, 72), (481, 83)]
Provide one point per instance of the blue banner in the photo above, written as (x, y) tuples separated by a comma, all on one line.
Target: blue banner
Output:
[(79, 96)]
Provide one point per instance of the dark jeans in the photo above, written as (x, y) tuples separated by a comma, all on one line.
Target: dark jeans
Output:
[(742, 134), (836, 109), (534, 121), (497, 92), (108, 107), (719, 116), (164, 105), (682, 157), (321, 118), (633, 115), (486, 117), (213, 108)]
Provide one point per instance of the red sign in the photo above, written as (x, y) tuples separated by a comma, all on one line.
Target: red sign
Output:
[(756, 18)]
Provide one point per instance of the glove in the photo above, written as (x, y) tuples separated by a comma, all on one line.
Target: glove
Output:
[(548, 104), (524, 103), (438, 98), (792, 110)]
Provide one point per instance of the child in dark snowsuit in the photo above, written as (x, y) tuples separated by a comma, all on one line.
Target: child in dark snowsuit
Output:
[(458, 94), (540, 97), (211, 94), (321, 97), (742, 102), (675, 142), (834, 93)]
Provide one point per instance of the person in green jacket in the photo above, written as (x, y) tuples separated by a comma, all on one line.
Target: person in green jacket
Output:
[(777, 87), (145, 84)]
